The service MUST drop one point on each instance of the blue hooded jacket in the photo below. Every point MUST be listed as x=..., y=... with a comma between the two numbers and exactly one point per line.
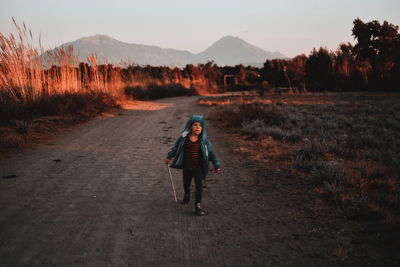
x=205, y=146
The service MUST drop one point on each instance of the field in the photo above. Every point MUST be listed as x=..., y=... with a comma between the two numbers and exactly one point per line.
x=344, y=147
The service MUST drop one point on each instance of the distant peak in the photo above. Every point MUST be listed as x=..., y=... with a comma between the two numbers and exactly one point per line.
x=229, y=50
x=100, y=36
x=229, y=41
x=96, y=38
x=230, y=38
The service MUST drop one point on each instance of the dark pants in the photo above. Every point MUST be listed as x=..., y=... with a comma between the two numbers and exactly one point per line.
x=198, y=180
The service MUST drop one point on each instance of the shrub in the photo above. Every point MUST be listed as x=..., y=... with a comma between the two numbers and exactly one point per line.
x=275, y=132
x=326, y=172
x=22, y=127
x=333, y=146
x=258, y=127
x=304, y=155
x=254, y=127
x=243, y=114
x=154, y=91
x=292, y=136
x=368, y=139
x=83, y=104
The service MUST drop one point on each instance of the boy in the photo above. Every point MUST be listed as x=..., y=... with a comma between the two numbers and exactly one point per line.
x=192, y=153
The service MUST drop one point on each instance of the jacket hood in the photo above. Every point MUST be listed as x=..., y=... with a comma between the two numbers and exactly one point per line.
x=195, y=118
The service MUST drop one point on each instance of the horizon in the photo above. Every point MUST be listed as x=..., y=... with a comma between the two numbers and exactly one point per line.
x=297, y=27
x=212, y=43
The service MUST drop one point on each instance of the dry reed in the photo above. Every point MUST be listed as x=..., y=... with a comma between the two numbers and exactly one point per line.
x=28, y=74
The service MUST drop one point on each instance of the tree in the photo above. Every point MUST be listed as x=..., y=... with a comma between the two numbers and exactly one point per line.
x=376, y=50
x=273, y=72
x=345, y=59
x=318, y=68
x=297, y=73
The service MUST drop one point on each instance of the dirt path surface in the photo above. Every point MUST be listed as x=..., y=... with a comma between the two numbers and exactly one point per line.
x=100, y=195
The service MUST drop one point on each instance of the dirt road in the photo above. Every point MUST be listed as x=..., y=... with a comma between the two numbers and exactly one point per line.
x=100, y=195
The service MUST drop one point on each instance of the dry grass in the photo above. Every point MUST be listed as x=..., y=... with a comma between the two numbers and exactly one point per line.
x=25, y=81
x=34, y=84
x=345, y=144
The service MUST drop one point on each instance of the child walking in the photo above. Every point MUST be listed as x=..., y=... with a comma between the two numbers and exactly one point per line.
x=192, y=152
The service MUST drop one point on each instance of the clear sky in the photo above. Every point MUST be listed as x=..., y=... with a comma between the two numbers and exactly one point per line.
x=289, y=26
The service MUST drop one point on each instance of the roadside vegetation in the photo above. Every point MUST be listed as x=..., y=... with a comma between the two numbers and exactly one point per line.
x=66, y=92
x=36, y=84
x=27, y=87
x=345, y=146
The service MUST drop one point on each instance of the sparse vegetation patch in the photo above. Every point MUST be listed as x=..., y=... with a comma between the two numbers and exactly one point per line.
x=345, y=144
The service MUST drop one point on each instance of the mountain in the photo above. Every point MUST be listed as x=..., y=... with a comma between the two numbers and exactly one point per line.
x=231, y=50
x=114, y=51
x=227, y=51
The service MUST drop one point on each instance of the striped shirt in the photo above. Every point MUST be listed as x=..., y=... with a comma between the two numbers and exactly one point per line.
x=191, y=154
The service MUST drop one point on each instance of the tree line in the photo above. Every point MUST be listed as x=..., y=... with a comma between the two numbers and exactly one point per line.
x=372, y=63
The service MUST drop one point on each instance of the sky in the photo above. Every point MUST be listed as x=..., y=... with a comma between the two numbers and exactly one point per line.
x=288, y=26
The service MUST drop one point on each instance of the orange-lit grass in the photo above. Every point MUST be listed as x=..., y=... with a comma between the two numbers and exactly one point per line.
x=41, y=93
x=24, y=79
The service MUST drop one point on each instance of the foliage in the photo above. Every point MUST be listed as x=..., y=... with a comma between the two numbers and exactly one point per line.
x=154, y=91
x=372, y=63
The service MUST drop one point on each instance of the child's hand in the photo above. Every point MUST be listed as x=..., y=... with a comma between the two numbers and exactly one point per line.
x=218, y=170
x=167, y=161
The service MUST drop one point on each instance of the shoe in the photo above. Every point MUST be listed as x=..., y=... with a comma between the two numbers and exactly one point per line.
x=199, y=211
x=186, y=199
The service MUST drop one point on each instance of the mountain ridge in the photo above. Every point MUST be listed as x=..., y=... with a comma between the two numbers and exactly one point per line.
x=227, y=51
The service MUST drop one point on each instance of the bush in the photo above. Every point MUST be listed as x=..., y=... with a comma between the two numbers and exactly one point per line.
x=254, y=127
x=275, y=132
x=258, y=127
x=154, y=91
x=82, y=104
x=304, y=156
x=326, y=172
x=244, y=114
x=292, y=136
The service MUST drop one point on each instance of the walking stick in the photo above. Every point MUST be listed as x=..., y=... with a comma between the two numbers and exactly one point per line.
x=172, y=182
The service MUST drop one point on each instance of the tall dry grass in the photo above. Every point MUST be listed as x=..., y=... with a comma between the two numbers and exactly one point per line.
x=28, y=75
